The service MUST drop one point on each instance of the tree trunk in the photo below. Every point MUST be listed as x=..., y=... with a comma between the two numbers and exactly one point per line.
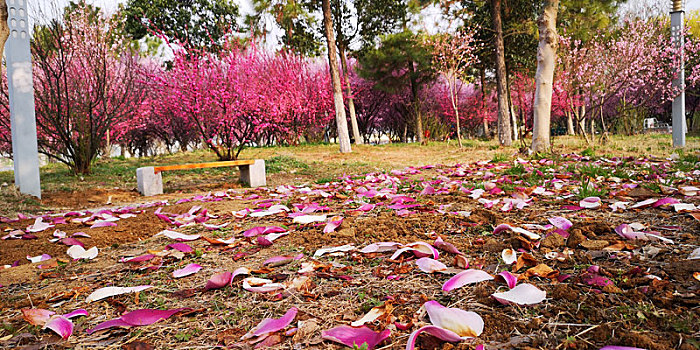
x=351, y=102
x=340, y=120
x=544, y=78
x=4, y=28
x=454, y=99
x=570, y=123
x=511, y=109
x=483, y=101
x=416, y=106
x=504, y=130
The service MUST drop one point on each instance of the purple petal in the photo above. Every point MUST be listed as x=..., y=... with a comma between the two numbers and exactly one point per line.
x=590, y=202
x=466, y=324
x=352, y=336
x=510, y=279
x=271, y=325
x=61, y=325
x=263, y=241
x=254, y=231
x=180, y=247
x=146, y=317
x=137, y=259
x=80, y=234
x=118, y=322
x=103, y=224
x=335, y=222
x=37, y=317
x=447, y=247
x=522, y=294
x=380, y=247
x=465, y=277
x=187, y=270
x=72, y=241
x=429, y=265
x=560, y=222
x=282, y=260
x=219, y=281
x=76, y=313
x=435, y=331
x=180, y=237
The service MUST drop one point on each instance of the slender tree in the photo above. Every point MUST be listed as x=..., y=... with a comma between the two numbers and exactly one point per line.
x=544, y=78
x=505, y=138
x=341, y=121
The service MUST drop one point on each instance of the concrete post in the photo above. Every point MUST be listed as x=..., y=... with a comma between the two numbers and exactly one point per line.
x=253, y=175
x=148, y=182
x=678, y=106
x=21, y=93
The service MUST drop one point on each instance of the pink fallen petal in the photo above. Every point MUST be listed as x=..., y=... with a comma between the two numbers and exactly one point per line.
x=511, y=280
x=380, y=247
x=522, y=294
x=440, y=333
x=447, y=247
x=80, y=234
x=560, y=222
x=333, y=224
x=464, y=278
x=422, y=249
x=260, y=285
x=366, y=207
x=331, y=250
x=281, y=260
x=429, y=265
x=38, y=258
x=38, y=226
x=271, y=325
x=107, y=292
x=142, y=317
x=466, y=324
x=103, y=223
x=263, y=241
x=181, y=237
x=509, y=256
x=187, y=270
x=37, y=317
x=219, y=281
x=590, y=202
x=77, y=252
x=76, y=313
x=61, y=325
x=72, y=241
x=355, y=336
x=182, y=247
x=137, y=259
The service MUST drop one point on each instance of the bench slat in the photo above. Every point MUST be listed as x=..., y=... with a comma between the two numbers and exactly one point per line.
x=158, y=169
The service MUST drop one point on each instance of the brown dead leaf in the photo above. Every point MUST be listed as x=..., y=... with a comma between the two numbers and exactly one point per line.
x=541, y=270
x=229, y=336
x=137, y=345
x=525, y=259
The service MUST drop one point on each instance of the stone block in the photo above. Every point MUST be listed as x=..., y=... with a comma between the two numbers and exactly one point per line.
x=148, y=182
x=253, y=175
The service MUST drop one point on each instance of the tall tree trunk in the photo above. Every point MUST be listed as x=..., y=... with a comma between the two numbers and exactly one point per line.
x=544, y=78
x=511, y=109
x=570, y=123
x=504, y=130
x=455, y=104
x=4, y=28
x=340, y=120
x=483, y=101
x=416, y=106
x=351, y=102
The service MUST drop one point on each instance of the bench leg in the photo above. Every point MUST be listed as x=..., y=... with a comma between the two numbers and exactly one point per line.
x=253, y=175
x=148, y=182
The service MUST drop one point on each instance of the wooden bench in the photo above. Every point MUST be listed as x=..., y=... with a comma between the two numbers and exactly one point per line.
x=150, y=180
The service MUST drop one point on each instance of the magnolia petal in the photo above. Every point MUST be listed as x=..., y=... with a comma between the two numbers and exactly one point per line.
x=509, y=256
x=560, y=222
x=38, y=226
x=78, y=252
x=38, y=258
x=103, y=223
x=343, y=248
x=61, y=325
x=142, y=317
x=447, y=247
x=76, y=313
x=695, y=254
x=462, y=323
x=352, y=336
x=178, y=236
x=372, y=315
x=37, y=317
x=118, y=322
x=307, y=219
x=380, y=247
x=440, y=333
x=422, y=249
x=182, y=247
x=219, y=281
x=522, y=294
x=260, y=285
x=333, y=224
x=590, y=202
x=511, y=280
x=466, y=277
x=72, y=241
x=429, y=265
x=187, y=270
x=281, y=260
x=271, y=325
x=107, y=292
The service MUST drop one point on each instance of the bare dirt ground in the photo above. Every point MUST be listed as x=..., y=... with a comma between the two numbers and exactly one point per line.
x=601, y=288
